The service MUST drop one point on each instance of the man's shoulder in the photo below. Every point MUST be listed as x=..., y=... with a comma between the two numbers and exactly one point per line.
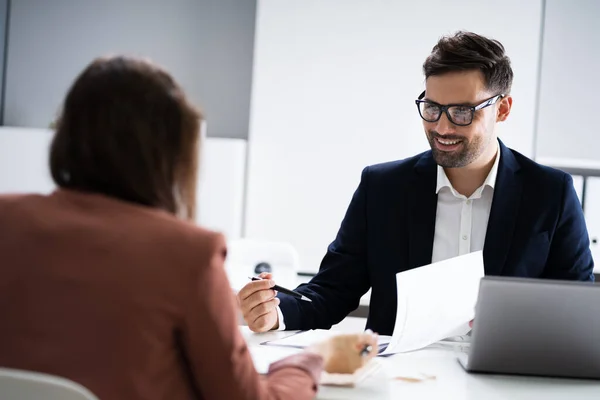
x=539, y=174
x=396, y=168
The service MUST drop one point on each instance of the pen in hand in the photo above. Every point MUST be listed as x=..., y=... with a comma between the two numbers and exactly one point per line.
x=284, y=290
x=366, y=350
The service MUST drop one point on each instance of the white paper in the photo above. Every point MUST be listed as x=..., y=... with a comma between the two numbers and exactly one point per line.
x=264, y=356
x=371, y=368
x=304, y=339
x=435, y=302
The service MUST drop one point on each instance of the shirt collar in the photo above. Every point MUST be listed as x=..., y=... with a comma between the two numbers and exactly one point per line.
x=490, y=180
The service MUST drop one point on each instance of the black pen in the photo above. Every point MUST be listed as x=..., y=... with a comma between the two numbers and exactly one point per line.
x=284, y=290
x=367, y=347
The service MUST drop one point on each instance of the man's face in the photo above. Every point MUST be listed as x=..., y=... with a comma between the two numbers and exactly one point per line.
x=455, y=146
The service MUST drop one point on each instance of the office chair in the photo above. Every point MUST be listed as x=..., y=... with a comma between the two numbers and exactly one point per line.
x=19, y=385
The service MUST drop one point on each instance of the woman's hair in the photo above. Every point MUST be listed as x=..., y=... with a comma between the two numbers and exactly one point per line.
x=128, y=131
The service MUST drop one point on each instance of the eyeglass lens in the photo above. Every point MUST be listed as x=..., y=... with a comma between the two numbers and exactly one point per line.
x=459, y=115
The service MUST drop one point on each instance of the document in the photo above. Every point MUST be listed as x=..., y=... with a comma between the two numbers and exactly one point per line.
x=264, y=356
x=304, y=339
x=435, y=302
x=372, y=367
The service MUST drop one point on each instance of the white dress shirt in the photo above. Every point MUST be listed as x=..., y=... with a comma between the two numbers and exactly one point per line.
x=460, y=221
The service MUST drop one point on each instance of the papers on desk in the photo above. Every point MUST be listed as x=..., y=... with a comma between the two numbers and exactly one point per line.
x=304, y=339
x=435, y=302
x=264, y=356
x=350, y=380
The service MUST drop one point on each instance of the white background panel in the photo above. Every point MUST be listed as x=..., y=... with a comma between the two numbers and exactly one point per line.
x=24, y=169
x=570, y=81
x=333, y=91
x=592, y=217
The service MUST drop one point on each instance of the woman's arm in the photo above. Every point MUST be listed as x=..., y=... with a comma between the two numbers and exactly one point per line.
x=219, y=358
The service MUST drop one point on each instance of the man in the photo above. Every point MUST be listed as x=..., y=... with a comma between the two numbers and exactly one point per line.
x=468, y=193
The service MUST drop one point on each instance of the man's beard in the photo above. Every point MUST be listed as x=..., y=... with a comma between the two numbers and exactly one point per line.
x=467, y=152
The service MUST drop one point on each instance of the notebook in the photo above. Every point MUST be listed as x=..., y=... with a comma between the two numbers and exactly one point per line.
x=351, y=380
x=264, y=356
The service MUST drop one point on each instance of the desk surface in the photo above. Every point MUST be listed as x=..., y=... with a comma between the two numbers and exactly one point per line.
x=451, y=381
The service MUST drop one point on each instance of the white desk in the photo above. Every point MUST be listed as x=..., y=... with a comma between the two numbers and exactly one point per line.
x=451, y=382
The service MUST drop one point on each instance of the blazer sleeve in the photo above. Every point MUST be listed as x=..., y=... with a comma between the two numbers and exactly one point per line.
x=570, y=257
x=218, y=356
x=343, y=276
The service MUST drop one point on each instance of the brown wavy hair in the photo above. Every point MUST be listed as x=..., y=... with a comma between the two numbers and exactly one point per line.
x=128, y=131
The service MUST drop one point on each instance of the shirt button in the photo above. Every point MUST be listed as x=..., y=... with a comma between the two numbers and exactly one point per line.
x=468, y=202
x=464, y=237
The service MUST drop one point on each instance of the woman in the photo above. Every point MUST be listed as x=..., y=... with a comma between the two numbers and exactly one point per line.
x=108, y=283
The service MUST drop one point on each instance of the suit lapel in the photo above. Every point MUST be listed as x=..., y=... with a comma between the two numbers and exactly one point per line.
x=504, y=212
x=423, y=207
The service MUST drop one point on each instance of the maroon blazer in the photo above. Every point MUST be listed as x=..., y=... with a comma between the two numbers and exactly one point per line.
x=128, y=301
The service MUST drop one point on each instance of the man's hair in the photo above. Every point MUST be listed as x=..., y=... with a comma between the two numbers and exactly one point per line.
x=465, y=51
x=127, y=131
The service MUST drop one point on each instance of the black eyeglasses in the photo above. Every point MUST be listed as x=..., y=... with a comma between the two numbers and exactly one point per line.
x=458, y=114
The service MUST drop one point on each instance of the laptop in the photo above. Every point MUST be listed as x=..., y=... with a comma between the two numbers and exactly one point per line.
x=536, y=327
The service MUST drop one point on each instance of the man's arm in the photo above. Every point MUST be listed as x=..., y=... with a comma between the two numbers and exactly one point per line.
x=570, y=257
x=343, y=276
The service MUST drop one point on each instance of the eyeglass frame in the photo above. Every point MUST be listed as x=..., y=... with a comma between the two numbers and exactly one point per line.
x=444, y=109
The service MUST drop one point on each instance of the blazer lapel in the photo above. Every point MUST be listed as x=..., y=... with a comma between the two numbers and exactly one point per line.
x=504, y=212
x=422, y=211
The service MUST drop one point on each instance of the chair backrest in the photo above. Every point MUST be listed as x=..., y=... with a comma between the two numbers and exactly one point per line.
x=243, y=255
x=21, y=385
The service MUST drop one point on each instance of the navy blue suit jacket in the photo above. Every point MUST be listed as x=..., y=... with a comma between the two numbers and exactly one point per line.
x=536, y=229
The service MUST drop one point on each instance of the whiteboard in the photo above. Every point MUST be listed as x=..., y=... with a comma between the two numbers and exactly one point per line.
x=333, y=91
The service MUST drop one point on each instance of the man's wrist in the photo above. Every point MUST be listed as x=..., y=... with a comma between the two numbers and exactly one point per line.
x=280, y=324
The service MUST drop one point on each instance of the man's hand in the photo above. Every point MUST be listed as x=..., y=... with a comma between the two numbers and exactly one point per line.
x=259, y=304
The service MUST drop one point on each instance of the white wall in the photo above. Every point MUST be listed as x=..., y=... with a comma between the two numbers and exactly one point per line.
x=24, y=160
x=570, y=81
x=24, y=169
x=333, y=91
x=221, y=185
